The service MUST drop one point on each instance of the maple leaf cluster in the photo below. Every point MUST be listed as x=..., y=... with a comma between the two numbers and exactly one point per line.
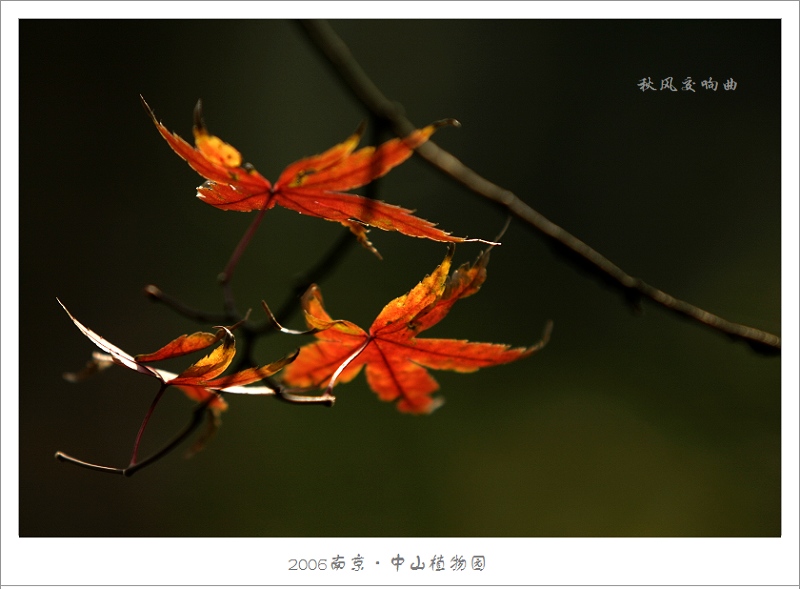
x=394, y=358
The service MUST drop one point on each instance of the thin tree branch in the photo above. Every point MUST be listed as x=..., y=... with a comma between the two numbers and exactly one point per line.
x=198, y=414
x=157, y=295
x=336, y=52
x=322, y=268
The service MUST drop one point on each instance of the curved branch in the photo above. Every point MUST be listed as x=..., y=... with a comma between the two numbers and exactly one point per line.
x=197, y=418
x=331, y=46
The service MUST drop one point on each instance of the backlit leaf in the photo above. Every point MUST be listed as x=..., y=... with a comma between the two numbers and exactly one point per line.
x=312, y=186
x=396, y=360
x=201, y=380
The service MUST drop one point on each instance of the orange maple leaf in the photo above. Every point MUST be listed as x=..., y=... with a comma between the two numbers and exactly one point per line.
x=201, y=381
x=396, y=359
x=312, y=186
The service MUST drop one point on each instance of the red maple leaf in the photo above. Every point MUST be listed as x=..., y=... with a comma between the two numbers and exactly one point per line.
x=312, y=186
x=201, y=380
x=396, y=359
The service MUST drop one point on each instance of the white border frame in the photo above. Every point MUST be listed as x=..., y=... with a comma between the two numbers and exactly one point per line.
x=627, y=561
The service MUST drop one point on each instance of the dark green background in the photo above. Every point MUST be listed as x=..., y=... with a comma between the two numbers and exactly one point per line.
x=623, y=425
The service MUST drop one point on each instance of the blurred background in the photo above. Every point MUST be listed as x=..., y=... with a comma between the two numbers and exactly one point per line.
x=625, y=425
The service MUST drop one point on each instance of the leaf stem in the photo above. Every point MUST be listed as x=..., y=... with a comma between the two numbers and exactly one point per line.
x=146, y=419
x=227, y=274
x=346, y=363
x=197, y=418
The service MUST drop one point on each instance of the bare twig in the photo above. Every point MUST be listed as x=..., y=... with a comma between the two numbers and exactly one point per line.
x=331, y=46
x=157, y=295
x=197, y=418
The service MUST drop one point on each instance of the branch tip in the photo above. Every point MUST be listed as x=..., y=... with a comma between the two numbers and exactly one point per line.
x=446, y=123
x=151, y=291
x=199, y=123
x=362, y=126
